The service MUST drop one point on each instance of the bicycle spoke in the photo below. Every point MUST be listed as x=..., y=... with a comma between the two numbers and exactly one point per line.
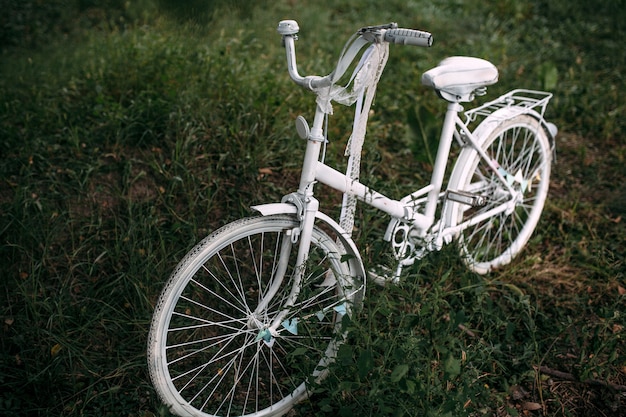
x=221, y=353
x=520, y=150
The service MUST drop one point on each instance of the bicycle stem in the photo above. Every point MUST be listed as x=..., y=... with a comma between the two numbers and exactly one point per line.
x=312, y=154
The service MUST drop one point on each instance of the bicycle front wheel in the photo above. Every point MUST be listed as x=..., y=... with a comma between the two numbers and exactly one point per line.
x=214, y=347
x=520, y=148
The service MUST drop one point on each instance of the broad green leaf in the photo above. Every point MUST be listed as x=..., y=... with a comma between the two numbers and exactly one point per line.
x=365, y=362
x=452, y=366
x=399, y=372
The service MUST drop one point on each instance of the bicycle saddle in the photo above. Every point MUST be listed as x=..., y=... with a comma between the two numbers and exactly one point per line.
x=459, y=78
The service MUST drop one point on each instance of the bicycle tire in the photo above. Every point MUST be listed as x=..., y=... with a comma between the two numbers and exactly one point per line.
x=520, y=146
x=209, y=358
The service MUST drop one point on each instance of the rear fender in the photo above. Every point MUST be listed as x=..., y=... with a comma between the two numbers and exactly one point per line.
x=495, y=118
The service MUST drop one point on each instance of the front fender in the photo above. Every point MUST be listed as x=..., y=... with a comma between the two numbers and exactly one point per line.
x=355, y=261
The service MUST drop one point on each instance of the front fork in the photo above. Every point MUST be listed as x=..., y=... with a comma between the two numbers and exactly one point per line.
x=307, y=207
x=300, y=236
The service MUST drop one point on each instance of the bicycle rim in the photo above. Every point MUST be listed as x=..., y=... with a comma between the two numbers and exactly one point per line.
x=211, y=352
x=521, y=149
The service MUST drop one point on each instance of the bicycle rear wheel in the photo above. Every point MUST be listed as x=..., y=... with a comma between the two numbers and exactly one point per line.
x=214, y=347
x=520, y=147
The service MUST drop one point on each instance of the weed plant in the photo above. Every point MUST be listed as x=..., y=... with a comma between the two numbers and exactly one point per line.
x=130, y=130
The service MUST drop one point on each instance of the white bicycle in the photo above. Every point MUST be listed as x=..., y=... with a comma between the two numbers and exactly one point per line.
x=254, y=313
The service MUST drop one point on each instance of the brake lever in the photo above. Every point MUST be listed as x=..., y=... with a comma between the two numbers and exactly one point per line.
x=374, y=34
x=365, y=29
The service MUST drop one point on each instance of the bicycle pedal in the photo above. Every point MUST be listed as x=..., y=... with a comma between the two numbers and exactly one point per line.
x=466, y=198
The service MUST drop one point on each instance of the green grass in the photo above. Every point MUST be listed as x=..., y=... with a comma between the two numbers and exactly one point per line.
x=131, y=130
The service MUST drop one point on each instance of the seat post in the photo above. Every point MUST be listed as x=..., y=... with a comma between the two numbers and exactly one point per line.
x=441, y=161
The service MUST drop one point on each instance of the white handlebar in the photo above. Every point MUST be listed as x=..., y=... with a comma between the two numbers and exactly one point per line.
x=409, y=37
x=310, y=82
x=387, y=33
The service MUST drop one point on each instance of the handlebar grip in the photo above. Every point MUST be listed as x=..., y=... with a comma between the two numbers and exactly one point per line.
x=409, y=37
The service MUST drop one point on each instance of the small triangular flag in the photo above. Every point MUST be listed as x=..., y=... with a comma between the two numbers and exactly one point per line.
x=341, y=309
x=291, y=325
x=265, y=335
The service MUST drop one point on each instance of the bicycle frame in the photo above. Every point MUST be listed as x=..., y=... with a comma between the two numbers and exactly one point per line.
x=314, y=170
x=202, y=356
x=434, y=232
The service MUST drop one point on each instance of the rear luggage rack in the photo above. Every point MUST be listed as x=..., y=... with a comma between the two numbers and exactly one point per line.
x=524, y=100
